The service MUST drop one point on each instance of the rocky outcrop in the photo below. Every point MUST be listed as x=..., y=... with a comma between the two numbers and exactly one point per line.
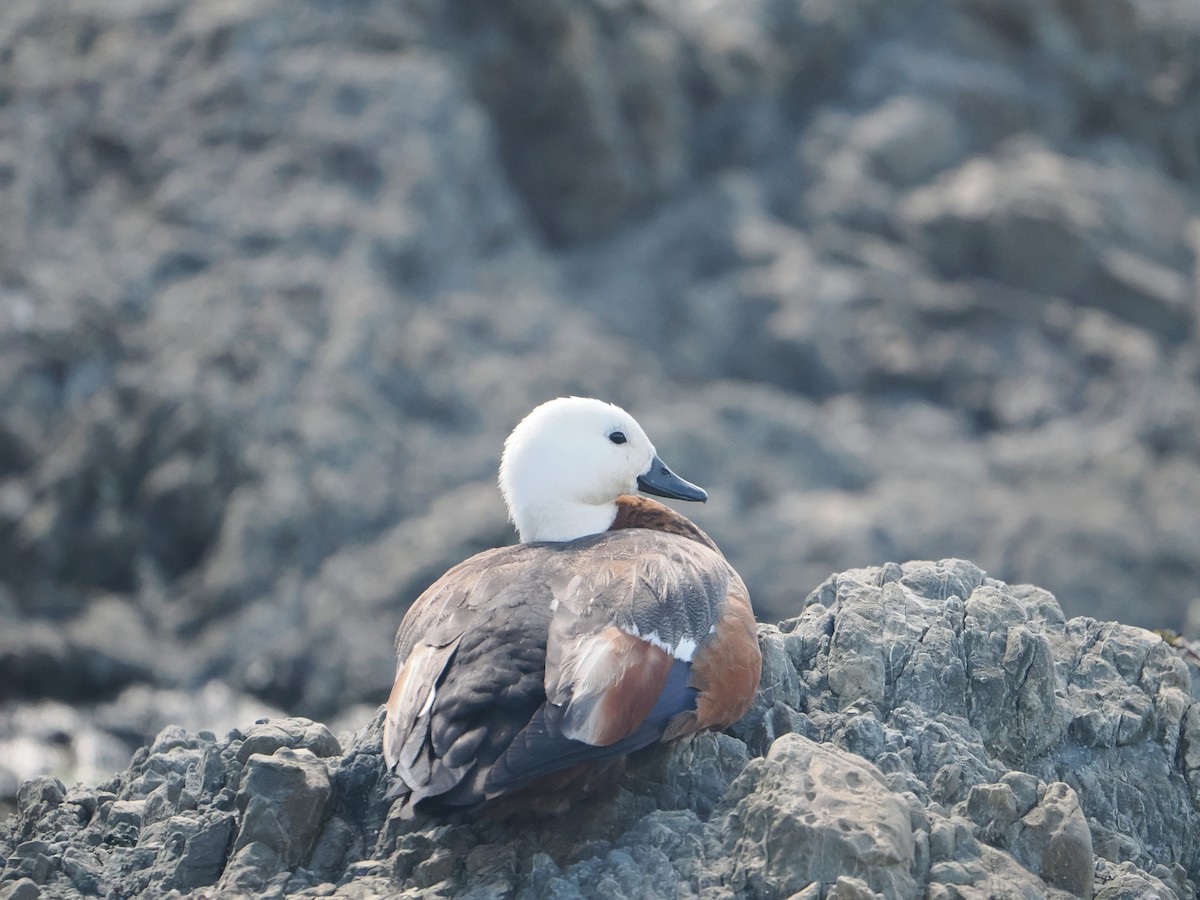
x=921, y=730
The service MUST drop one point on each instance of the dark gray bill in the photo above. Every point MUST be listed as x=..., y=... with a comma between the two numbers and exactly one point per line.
x=662, y=482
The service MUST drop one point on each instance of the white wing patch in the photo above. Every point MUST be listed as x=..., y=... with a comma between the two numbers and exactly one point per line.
x=683, y=650
x=428, y=701
x=411, y=700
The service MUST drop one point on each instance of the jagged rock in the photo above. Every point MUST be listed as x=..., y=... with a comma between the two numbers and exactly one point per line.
x=295, y=734
x=283, y=799
x=193, y=850
x=807, y=813
x=1044, y=829
x=23, y=889
x=251, y=868
x=869, y=766
x=1124, y=882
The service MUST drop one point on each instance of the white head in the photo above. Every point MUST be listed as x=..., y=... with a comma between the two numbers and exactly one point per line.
x=566, y=463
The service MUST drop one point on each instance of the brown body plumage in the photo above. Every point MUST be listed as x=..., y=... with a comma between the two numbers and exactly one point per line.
x=530, y=672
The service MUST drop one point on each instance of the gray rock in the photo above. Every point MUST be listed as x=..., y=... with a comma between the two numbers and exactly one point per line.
x=122, y=813
x=283, y=800
x=920, y=778
x=848, y=888
x=1056, y=843
x=908, y=139
x=250, y=869
x=89, y=744
x=21, y=889
x=1050, y=838
x=692, y=773
x=1124, y=882
x=35, y=860
x=193, y=850
x=808, y=812
x=37, y=797
x=295, y=733
x=83, y=869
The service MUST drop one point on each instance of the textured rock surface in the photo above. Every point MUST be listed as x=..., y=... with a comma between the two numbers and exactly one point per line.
x=894, y=279
x=972, y=743
x=807, y=812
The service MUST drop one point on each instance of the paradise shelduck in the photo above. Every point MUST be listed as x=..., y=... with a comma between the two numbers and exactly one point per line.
x=529, y=672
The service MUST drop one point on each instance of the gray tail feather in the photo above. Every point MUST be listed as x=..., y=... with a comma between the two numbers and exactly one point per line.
x=442, y=780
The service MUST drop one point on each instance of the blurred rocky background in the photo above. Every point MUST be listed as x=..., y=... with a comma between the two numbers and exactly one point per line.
x=892, y=279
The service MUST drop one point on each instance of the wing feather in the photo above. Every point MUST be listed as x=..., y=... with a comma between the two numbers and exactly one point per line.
x=411, y=701
x=607, y=683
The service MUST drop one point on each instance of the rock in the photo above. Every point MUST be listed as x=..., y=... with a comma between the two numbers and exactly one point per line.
x=1051, y=838
x=84, y=870
x=847, y=888
x=80, y=744
x=251, y=868
x=194, y=850
x=908, y=139
x=1035, y=220
x=810, y=813
x=34, y=860
x=1124, y=882
x=283, y=798
x=296, y=733
x=692, y=773
x=126, y=813
x=38, y=796
x=22, y=889
x=922, y=779
x=1056, y=843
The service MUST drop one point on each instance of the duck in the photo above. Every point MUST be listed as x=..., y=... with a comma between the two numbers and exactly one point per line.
x=527, y=674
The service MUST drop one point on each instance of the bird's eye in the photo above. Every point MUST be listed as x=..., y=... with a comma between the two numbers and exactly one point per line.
x=617, y=437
